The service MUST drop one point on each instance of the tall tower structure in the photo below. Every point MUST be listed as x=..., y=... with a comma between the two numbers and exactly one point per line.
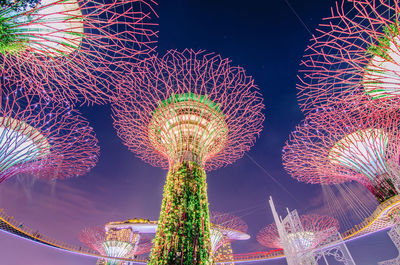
x=297, y=241
x=188, y=112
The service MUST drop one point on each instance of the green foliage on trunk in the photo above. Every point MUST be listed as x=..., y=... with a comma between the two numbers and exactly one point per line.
x=385, y=190
x=19, y=5
x=10, y=41
x=383, y=44
x=183, y=233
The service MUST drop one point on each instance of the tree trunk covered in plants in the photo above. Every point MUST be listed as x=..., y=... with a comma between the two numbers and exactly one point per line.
x=183, y=233
x=384, y=190
x=19, y=5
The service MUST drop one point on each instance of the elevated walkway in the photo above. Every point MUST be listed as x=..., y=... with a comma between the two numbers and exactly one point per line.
x=379, y=220
x=12, y=226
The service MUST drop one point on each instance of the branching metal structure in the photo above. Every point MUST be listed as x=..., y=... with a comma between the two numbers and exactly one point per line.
x=307, y=239
x=225, y=253
x=187, y=111
x=355, y=53
x=118, y=239
x=43, y=138
x=73, y=50
x=347, y=142
x=312, y=224
x=226, y=228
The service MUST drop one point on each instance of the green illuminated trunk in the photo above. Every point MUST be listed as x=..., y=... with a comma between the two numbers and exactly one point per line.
x=384, y=190
x=183, y=233
x=10, y=41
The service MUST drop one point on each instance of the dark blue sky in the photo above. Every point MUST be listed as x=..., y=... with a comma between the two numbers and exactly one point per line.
x=268, y=40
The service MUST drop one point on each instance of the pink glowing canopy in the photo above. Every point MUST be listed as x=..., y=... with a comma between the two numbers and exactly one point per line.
x=355, y=52
x=346, y=142
x=73, y=50
x=44, y=138
x=312, y=234
x=188, y=105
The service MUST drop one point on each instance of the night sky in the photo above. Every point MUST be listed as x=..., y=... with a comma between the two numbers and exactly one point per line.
x=267, y=39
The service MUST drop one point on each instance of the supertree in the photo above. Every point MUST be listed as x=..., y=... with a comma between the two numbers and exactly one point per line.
x=355, y=53
x=226, y=228
x=187, y=111
x=119, y=239
x=347, y=142
x=44, y=138
x=75, y=48
x=316, y=229
x=225, y=253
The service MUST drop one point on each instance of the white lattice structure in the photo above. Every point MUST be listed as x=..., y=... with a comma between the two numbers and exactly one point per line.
x=334, y=246
x=394, y=234
x=297, y=246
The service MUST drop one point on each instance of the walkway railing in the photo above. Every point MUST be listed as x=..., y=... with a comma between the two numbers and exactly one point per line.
x=13, y=226
x=372, y=218
x=254, y=256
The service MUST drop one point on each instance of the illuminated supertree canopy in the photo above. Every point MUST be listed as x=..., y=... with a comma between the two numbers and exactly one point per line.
x=226, y=228
x=355, y=52
x=225, y=253
x=75, y=48
x=119, y=239
x=188, y=111
x=43, y=138
x=346, y=143
x=312, y=234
